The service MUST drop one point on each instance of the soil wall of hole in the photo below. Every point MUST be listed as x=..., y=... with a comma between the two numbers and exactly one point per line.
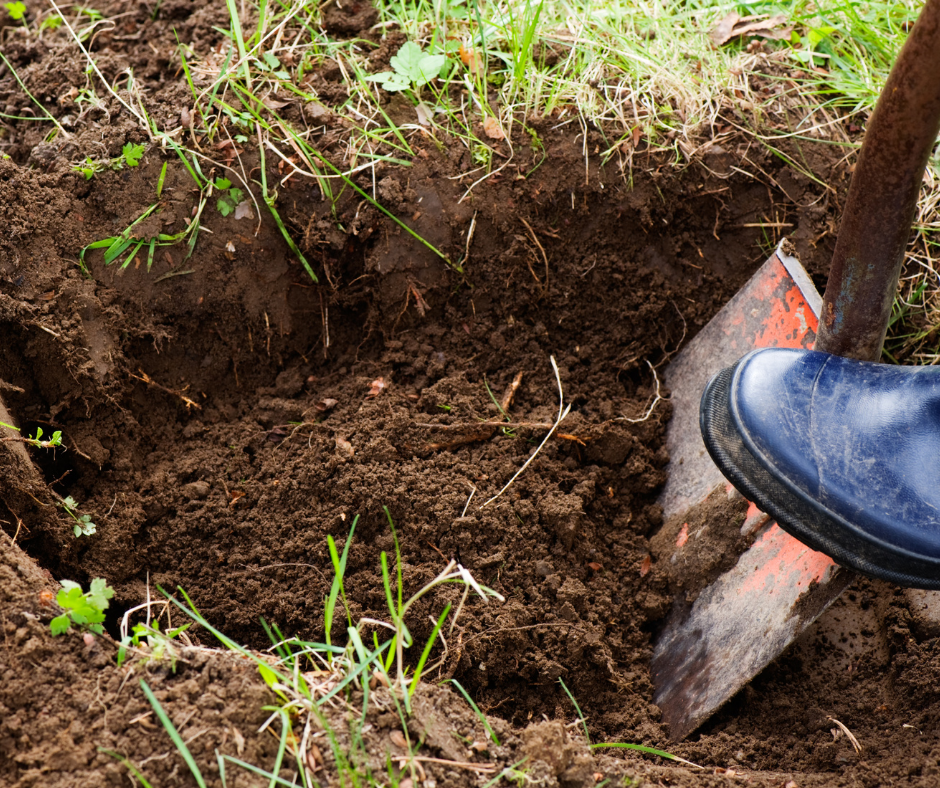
x=223, y=414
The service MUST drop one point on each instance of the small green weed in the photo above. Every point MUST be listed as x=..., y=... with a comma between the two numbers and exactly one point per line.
x=36, y=439
x=16, y=11
x=83, y=609
x=130, y=155
x=83, y=524
x=413, y=68
x=53, y=22
x=229, y=197
x=157, y=644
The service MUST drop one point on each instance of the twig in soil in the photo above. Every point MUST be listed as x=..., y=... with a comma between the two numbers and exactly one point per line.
x=506, y=401
x=467, y=504
x=145, y=378
x=656, y=399
x=473, y=226
x=562, y=413
x=848, y=734
x=544, y=256
x=483, y=768
x=539, y=425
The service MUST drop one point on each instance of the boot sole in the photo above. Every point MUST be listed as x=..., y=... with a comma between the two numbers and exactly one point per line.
x=799, y=515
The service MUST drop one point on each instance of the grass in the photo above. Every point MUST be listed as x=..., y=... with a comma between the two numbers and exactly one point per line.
x=317, y=685
x=644, y=75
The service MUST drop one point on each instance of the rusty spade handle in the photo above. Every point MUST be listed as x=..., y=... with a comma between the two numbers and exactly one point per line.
x=882, y=198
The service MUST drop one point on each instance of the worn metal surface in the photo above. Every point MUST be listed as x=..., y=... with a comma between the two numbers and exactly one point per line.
x=771, y=310
x=879, y=210
x=739, y=625
x=742, y=621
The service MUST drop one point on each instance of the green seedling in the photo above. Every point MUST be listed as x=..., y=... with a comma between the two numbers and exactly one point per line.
x=128, y=764
x=413, y=69
x=53, y=22
x=130, y=243
x=623, y=746
x=83, y=524
x=229, y=197
x=36, y=439
x=159, y=645
x=130, y=155
x=577, y=708
x=16, y=11
x=88, y=168
x=37, y=442
x=83, y=609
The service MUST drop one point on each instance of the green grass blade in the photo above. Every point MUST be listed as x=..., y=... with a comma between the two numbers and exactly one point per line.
x=239, y=39
x=476, y=709
x=370, y=658
x=577, y=708
x=281, y=749
x=173, y=734
x=649, y=750
x=386, y=584
x=427, y=650
x=129, y=765
x=391, y=524
x=274, y=779
x=116, y=249
x=130, y=257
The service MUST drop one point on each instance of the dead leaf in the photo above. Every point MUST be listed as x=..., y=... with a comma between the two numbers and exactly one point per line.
x=381, y=678
x=636, y=136
x=272, y=103
x=344, y=446
x=480, y=746
x=721, y=32
x=243, y=210
x=398, y=739
x=325, y=404
x=229, y=247
x=424, y=113
x=470, y=58
x=645, y=565
x=595, y=566
x=377, y=387
x=734, y=26
x=492, y=129
x=239, y=740
x=236, y=495
x=314, y=758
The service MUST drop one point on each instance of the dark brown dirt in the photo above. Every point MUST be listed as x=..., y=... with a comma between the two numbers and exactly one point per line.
x=312, y=404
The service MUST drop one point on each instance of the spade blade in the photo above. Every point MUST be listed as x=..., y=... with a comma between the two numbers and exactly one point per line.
x=749, y=609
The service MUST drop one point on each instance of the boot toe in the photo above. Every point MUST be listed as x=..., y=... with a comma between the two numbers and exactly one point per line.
x=844, y=454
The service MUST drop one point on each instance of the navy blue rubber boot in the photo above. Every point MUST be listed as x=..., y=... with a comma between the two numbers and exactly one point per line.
x=844, y=454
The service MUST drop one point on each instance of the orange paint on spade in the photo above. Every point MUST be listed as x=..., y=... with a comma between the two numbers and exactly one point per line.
x=683, y=535
x=783, y=562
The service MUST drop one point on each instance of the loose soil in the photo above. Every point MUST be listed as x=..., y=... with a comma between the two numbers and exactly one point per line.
x=222, y=415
